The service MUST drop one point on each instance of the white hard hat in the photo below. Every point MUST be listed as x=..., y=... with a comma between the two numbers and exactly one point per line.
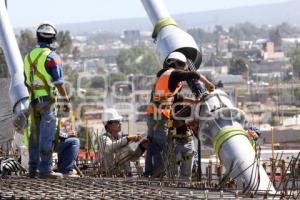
x=175, y=56
x=46, y=29
x=110, y=114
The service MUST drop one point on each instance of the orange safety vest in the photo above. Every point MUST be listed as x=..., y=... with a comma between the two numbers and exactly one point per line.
x=162, y=98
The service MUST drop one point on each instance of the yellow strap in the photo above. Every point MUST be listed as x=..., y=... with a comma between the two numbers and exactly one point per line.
x=184, y=158
x=182, y=136
x=46, y=86
x=170, y=123
x=33, y=126
x=225, y=134
x=56, y=138
x=162, y=23
x=33, y=64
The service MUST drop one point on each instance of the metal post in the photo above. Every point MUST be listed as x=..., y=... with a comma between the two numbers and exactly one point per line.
x=199, y=160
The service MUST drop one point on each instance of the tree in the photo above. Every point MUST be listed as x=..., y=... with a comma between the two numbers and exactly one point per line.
x=137, y=60
x=287, y=30
x=97, y=82
x=294, y=55
x=238, y=66
x=274, y=121
x=217, y=33
x=26, y=41
x=297, y=92
x=65, y=42
x=201, y=36
x=244, y=31
x=113, y=77
x=76, y=52
x=275, y=37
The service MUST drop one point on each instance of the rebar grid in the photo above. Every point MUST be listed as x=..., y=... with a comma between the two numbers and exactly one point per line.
x=108, y=188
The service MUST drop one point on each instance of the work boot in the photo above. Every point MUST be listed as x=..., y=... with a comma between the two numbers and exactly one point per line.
x=158, y=174
x=70, y=174
x=32, y=174
x=51, y=175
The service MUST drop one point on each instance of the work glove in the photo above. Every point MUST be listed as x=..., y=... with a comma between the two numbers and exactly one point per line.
x=210, y=87
x=253, y=131
x=134, y=138
x=63, y=110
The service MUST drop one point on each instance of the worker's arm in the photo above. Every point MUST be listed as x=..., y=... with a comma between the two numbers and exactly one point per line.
x=114, y=146
x=178, y=76
x=54, y=67
x=62, y=91
x=111, y=146
x=210, y=86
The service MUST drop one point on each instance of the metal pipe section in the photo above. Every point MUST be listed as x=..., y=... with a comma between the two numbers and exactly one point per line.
x=155, y=10
x=238, y=155
x=18, y=92
x=169, y=36
x=223, y=125
x=219, y=120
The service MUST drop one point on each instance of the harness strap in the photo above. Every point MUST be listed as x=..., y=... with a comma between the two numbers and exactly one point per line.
x=34, y=71
x=56, y=138
x=34, y=113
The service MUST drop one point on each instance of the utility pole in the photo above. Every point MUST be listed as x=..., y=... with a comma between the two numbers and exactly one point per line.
x=277, y=93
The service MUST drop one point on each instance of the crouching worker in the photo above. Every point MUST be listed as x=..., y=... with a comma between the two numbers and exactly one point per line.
x=116, y=149
x=67, y=149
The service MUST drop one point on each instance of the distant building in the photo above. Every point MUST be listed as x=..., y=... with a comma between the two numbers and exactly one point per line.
x=269, y=52
x=268, y=47
x=271, y=68
x=211, y=71
x=253, y=55
x=245, y=44
x=132, y=37
x=288, y=43
x=229, y=79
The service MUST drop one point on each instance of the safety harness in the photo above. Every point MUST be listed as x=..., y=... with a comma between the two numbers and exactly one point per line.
x=34, y=112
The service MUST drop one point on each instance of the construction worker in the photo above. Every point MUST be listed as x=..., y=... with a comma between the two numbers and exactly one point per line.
x=113, y=144
x=181, y=135
x=67, y=149
x=43, y=75
x=169, y=82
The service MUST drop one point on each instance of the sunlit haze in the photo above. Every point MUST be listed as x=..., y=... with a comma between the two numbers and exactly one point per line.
x=31, y=12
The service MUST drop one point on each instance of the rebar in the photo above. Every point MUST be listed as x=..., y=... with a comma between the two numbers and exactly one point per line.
x=108, y=188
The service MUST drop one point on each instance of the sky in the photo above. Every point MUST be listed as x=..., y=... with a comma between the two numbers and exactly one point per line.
x=28, y=13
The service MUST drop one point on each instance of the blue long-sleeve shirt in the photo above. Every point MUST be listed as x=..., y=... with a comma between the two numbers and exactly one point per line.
x=53, y=65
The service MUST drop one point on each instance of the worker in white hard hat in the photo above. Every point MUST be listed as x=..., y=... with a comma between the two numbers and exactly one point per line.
x=43, y=71
x=113, y=143
x=165, y=91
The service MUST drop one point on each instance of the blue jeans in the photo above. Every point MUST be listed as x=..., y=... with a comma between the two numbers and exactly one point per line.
x=157, y=135
x=40, y=151
x=184, y=150
x=67, y=151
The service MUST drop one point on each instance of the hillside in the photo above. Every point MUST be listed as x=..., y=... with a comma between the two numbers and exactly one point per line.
x=260, y=14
